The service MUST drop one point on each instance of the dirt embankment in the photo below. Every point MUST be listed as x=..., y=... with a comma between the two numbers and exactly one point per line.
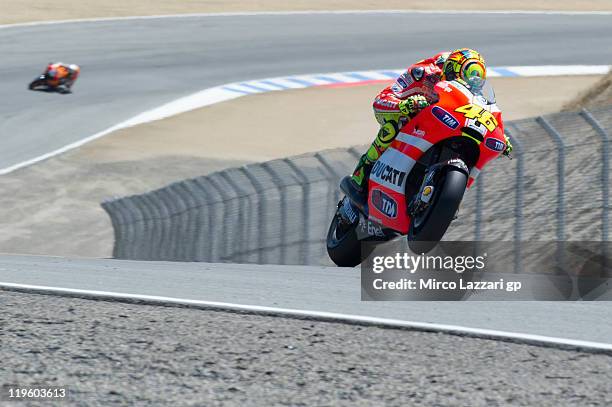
x=44, y=10
x=600, y=94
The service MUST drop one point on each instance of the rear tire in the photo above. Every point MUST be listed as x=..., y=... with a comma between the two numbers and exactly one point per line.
x=425, y=233
x=63, y=89
x=343, y=247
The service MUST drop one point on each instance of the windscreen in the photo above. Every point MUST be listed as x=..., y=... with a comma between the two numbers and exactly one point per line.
x=482, y=89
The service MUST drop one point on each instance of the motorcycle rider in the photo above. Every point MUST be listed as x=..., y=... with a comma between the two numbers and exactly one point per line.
x=65, y=74
x=413, y=91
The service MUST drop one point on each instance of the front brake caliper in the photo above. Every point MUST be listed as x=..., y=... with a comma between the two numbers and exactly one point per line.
x=421, y=199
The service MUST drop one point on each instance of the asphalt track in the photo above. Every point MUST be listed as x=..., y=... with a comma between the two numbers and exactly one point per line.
x=131, y=66
x=118, y=354
x=319, y=292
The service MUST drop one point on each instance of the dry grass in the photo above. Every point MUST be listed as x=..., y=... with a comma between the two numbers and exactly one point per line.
x=597, y=95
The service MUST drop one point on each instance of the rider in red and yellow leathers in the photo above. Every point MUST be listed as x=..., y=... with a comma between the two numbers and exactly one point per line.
x=398, y=103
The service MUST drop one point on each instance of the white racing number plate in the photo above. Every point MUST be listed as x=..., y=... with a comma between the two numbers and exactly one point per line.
x=391, y=170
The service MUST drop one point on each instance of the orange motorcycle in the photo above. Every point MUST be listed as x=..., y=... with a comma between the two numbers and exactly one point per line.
x=57, y=77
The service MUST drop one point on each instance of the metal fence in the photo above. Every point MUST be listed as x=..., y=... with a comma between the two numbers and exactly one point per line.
x=556, y=188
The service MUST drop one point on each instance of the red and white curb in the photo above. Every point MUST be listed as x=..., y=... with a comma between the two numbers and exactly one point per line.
x=235, y=90
x=364, y=77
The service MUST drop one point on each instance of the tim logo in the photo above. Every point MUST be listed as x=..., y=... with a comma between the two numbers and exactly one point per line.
x=384, y=203
x=445, y=117
x=495, y=144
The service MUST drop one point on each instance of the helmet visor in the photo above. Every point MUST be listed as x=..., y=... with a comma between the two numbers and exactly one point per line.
x=475, y=75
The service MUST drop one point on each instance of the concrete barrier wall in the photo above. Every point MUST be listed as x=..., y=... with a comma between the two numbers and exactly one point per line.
x=556, y=188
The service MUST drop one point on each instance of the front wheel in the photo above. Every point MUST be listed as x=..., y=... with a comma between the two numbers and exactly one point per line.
x=343, y=246
x=37, y=83
x=428, y=227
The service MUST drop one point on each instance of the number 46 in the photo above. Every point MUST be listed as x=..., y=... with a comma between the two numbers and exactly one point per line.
x=483, y=116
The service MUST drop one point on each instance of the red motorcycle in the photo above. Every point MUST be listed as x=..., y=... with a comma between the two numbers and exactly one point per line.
x=417, y=184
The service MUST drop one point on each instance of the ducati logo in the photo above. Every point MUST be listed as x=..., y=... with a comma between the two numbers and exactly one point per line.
x=389, y=174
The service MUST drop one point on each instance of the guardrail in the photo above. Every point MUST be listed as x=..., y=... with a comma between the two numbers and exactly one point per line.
x=556, y=188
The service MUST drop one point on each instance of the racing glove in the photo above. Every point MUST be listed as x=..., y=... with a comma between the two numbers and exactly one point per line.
x=412, y=105
x=507, y=152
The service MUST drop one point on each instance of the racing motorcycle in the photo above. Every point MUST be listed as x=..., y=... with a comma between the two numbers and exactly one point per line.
x=417, y=184
x=51, y=83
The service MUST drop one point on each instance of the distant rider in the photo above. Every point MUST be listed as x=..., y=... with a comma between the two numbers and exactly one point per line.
x=64, y=74
x=413, y=91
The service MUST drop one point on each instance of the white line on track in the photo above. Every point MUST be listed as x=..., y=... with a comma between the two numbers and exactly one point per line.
x=311, y=12
x=318, y=315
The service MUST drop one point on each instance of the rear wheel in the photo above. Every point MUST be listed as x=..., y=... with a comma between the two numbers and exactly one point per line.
x=428, y=227
x=343, y=246
x=63, y=89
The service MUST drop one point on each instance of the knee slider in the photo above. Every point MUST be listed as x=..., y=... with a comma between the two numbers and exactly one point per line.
x=387, y=132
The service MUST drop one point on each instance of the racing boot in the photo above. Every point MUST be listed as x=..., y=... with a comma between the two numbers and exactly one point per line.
x=359, y=179
x=355, y=186
x=361, y=175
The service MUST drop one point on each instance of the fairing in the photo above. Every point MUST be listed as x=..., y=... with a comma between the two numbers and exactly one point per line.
x=459, y=112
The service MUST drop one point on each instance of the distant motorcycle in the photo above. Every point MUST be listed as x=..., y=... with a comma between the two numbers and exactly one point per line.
x=57, y=77
x=417, y=184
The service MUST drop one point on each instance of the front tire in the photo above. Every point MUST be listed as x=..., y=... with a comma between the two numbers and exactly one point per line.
x=428, y=228
x=36, y=83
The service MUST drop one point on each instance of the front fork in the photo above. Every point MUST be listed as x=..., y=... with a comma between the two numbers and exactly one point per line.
x=422, y=198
